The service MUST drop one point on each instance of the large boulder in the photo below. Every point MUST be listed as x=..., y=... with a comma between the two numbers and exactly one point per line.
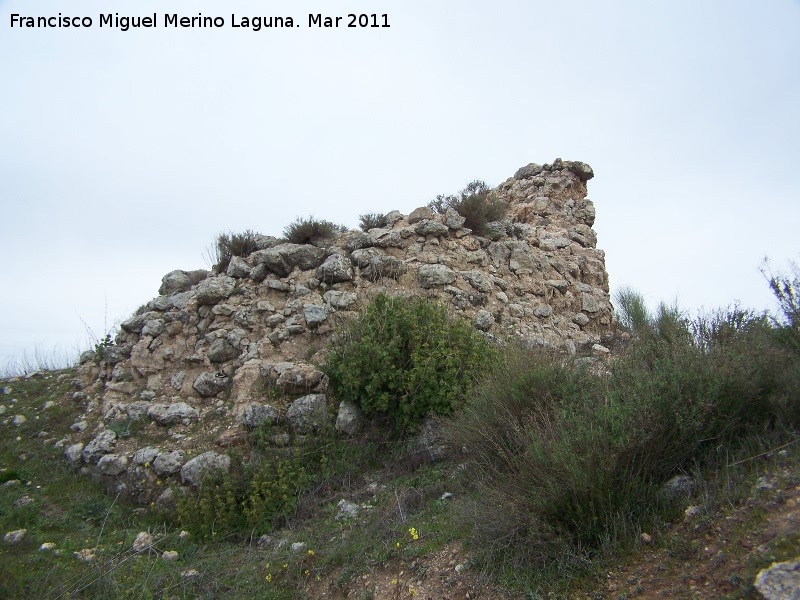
x=254, y=414
x=215, y=289
x=307, y=413
x=210, y=384
x=429, y=227
x=335, y=269
x=435, y=275
x=168, y=463
x=340, y=300
x=283, y=258
x=781, y=581
x=221, y=350
x=384, y=266
x=315, y=314
x=296, y=377
x=169, y=414
x=479, y=281
x=418, y=214
x=238, y=268
x=102, y=444
x=180, y=281
x=112, y=464
x=194, y=471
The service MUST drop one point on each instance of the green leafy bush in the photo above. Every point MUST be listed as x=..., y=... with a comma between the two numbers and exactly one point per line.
x=372, y=221
x=476, y=203
x=228, y=245
x=572, y=463
x=404, y=358
x=309, y=230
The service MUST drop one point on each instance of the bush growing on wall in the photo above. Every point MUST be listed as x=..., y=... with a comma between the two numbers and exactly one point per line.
x=476, y=203
x=228, y=245
x=309, y=230
x=405, y=358
x=372, y=221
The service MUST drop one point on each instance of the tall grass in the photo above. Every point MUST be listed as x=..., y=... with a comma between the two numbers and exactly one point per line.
x=571, y=464
x=40, y=360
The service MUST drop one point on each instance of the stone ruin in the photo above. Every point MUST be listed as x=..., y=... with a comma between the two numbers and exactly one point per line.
x=216, y=354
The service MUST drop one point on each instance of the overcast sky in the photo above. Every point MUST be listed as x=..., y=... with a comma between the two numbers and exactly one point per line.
x=123, y=154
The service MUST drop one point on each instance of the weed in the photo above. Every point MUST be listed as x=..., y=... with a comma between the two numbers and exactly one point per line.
x=309, y=230
x=372, y=221
x=476, y=203
x=228, y=245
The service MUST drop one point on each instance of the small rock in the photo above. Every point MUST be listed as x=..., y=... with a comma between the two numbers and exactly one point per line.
x=298, y=547
x=170, y=555
x=680, y=485
x=73, y=453
x=347, y=510
x=264, y=541
x=143, y=541
x=15, y=537
x=18, y=420
x=85, y=555
x=764, y=484
x=447, y=496
x=484, y=320
x=48, y=405
x=350, y=418
x=190, y=574
x=23, y=501
x=692, y=511
x=647, y=538
x=47, y=546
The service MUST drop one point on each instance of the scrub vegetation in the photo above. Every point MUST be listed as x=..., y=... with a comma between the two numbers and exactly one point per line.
x=556, y=467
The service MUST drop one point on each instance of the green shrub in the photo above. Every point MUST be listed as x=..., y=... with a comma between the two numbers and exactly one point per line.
x=372, y=221
x=404, y=358
x=228, y=245
x=476, y=203
x=572, y=463
x=309, y=230
x=254, y=498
